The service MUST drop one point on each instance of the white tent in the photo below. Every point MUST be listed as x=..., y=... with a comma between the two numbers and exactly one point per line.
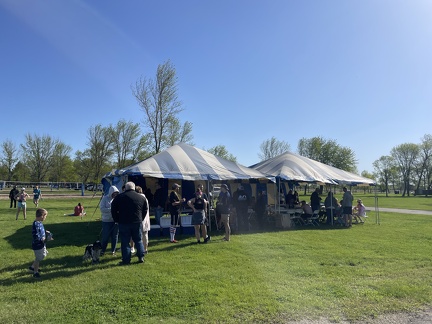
x=293, y=167
x=185, y=162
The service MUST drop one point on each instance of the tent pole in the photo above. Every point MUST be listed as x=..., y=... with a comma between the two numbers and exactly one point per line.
x=331, y=205
x=209, y=207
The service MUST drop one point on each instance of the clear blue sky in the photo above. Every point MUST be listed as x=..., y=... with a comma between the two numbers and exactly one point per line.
x=358, y=72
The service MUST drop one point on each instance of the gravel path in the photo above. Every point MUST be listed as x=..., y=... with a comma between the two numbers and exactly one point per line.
x=420, y=317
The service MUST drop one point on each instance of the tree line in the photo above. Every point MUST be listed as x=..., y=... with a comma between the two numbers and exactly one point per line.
x=408, y=167
x=42, y=158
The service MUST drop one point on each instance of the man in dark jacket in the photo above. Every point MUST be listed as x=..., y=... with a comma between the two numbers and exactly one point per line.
x=12, y=195
x=128, y=209
x=241, y=202
x=315, y=200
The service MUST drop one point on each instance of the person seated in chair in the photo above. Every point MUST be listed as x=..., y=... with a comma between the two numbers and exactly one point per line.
x=307, y=210
x=359, y=211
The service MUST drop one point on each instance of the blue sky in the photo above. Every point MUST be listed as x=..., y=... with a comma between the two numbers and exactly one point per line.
x=358, y=72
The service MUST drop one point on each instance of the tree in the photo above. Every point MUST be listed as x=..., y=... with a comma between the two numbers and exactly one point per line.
x=272, y=147
x=9, y=157
x=384, y=167
x=62, y=163
x=221, y=151
x=179, y=134
x=368, y=175
x=127, y=142
x=423, y=167
x=328, y=152
x=158, y=99
x=95, y=161
x=38, y=152
x=405, y=156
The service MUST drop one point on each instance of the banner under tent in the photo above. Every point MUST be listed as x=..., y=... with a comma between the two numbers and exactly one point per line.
x=293, y=168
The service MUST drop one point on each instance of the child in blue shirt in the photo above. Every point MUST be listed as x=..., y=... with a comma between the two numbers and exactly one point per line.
x=40, y=236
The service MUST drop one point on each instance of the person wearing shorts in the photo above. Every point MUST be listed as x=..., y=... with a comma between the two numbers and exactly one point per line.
x=223, y=204
x=347, y=200
x=199, y=207
x=39, y=238
x=22, y=197
x=37, y=194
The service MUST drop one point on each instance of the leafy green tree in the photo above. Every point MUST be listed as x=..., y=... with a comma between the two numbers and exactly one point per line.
x=384, y=167
x=179, y=134
x=83, y=166
x=405, y=156
x=94, y=162
x=272, y=147
x=127, y=142
x=62, y=163
x=159, y=101
x=328, y=152
x=38, y=152
x=221, y=151
x=423, y=166
x=21, y=172
x=9, y=158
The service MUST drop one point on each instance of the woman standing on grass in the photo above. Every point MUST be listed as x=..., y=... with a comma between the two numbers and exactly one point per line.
x=199, y=207
x=22, y=197
x=146, y=221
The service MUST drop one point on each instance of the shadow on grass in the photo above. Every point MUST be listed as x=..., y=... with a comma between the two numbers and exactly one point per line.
x=64, y=267
x=65, y=234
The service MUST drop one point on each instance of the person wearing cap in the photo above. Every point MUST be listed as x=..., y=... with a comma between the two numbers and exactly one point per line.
x=199, y=207
x=12, y=194
x=109, y=227
x=22, y=197
x=174, y=207
x=359, y=211
x=223, y=205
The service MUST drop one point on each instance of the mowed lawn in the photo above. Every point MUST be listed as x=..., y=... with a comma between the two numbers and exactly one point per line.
x=271, y=276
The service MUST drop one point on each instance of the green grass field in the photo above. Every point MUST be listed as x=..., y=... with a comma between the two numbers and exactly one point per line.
x=265, y=277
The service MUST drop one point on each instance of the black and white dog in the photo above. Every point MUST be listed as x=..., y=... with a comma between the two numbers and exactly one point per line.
x=93, y=252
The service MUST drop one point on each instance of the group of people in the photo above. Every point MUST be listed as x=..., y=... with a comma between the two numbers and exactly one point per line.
x=343, y=209
x=125, y=214
x=21, y=196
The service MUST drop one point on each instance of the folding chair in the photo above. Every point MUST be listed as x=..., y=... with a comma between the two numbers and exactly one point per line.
x=359, y=218
x=295, y=215
x=315, y=217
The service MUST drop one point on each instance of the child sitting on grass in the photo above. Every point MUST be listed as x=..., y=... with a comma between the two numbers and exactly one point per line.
x=40, y=236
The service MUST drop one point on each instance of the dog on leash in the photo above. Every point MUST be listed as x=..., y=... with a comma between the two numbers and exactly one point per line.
x=93, y=252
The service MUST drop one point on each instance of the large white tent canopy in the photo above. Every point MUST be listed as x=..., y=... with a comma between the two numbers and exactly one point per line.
x=293, y=167
x=185, y=162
